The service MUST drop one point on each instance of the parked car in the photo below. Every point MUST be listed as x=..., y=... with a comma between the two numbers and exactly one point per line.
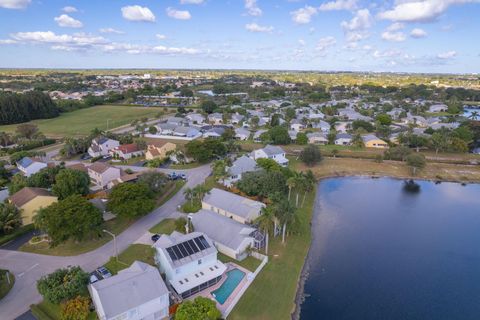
x=176, y=176
x=155, y=237
x=85, y=156
x=104, y=272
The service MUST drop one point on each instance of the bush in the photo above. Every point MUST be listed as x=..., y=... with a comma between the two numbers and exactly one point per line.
x=63, y=284
x=311, y=155
x=76, y=309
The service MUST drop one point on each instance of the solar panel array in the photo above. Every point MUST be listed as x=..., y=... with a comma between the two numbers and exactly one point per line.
x=187, y=248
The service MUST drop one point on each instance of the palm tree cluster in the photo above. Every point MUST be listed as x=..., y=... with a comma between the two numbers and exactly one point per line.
x=195, y=193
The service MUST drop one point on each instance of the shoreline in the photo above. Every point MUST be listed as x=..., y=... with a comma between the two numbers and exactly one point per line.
x=304, y=273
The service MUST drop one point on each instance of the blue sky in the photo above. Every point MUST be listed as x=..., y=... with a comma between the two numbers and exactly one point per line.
x=336, y=35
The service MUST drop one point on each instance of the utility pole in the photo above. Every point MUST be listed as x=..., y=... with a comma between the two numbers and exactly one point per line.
x=115, y=253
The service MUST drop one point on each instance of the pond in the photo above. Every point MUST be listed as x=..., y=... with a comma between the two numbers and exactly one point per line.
x=380, y=251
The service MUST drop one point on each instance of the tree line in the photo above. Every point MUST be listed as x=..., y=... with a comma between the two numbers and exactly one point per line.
x=17, y=108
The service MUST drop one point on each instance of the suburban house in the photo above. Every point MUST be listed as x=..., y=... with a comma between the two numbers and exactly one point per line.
x=438, y=108
x=293, y=135
x=29, y=200
x=135, y=293
x=271, y=152
x=242, y=134
x=176, y=121
x=101, y=146
x=189, y=262
x=230, y=237
x=232, y=206
x=188, y=132
x=126, y=151
x=343, y=139
x=317, y=138
x=371, y=141
x=159, y=150
x=257, y=135
x=214, y=132
x=165, y=128
x=215, y=118
x=236, y=118
x=240, y=166
x=29, y=166
x=296, y=125
x=101, y=174
x=322, y=125
x=195, y=118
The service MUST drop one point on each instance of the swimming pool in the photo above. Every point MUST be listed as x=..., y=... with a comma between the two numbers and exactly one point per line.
x=234, y=277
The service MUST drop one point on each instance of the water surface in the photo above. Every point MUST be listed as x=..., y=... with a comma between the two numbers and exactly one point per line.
x=380, y=252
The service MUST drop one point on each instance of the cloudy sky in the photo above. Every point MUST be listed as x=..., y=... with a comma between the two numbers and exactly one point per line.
x=349, y=35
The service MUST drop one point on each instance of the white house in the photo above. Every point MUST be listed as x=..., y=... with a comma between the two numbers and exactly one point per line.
x=296, y=125
x=195, y=118
x=101, y=146
x=317, y=138
x=189, y=262
x=236, y=118
x=135, y=293
x=240, y=166
x=215, y=118
x=29, y=166
x=438, y=108
x=126, y=151
x=101, y=174
x=242, y=134
x=271, y=152
x=232, y=206
x=343, y=139
x=230, y=237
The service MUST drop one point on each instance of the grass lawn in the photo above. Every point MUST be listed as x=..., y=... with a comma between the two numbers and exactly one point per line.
x=46, y=310
x=249, y=263
x=5, y=286
x=272, y=293
x=191, y=165
x=140, y=252
x=71, y=248
x=81, y=122
x=166, y=226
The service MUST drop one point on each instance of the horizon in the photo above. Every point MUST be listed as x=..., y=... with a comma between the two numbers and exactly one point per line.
x=397, y=36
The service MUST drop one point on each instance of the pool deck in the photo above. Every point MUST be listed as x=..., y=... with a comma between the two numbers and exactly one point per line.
x=207, y=293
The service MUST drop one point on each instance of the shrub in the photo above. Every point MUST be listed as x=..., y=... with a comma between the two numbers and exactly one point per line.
x=63, y=284
x=75, y=309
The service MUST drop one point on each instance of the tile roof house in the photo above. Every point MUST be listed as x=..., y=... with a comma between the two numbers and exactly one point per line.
x=189, y=262
x=236, y=118
x=159, y=150
x=232, y=206
x=126, y=151
x=30, y=200
x=230, y=237
x=271, y=152
x=101, y=146
x=101, y=174
x=29, y=166
x=135, y=293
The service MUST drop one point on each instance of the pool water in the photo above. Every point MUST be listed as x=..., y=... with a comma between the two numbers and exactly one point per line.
x=234, y=277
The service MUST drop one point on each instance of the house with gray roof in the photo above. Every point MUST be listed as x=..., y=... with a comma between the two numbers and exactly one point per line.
x=135, y=293
x=257, y=134
x=230, y=237
x=242, y=134
x=240, y=166
x=343, y=139
x=188, y=132
x=232, y=206
x=101, y=146
x=317, y=138
x=29, y=166
x=195, y=118
x=271, y=152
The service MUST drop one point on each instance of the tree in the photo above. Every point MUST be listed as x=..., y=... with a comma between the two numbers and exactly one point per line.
x=69, y=182
x=152, y=130
x=75, y=309
x=311, y=155
x=206, y=150
x=17, y=183
x=10, y=218
x=219, y=169
x=384, y=119
x=27, y=130
x=72, y=218
x=154, y=180
x=362, y=124
x=63, y=284
x=279, y=135
x=416, y=161
x=285, y=213
x=357, y=141
x=263, y=183
x=398, y=153
x=334, y=153
x=302, y=138
x=269, y=164
x=265, y=222
x=45, y=178
x=439, y=140
x=131, y=200
x=199, y=309
x=208, y=106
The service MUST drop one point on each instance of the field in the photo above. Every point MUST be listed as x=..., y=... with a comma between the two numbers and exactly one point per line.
x=81, y=122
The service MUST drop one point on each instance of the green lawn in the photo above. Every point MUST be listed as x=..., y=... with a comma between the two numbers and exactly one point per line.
x=166, y=226
x=81, y=122
x=5, y=285
x=249, y=263
x=72, y=248
x=140, y=252
x=272, y=293
x=185, y=166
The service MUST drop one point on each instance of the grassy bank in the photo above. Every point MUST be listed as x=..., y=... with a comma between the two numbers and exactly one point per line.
x=6, y=283
x=272, y=294
x=140, y=252
x=81, y=122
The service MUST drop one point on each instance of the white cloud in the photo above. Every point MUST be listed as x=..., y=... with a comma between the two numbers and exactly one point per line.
x=419, y=10
x=160, y=36
x=75, y=41
x=418, y=33
x=253, y=27
x=361, y=21
x=191, y=1
x=252, y=8
x=338, y=5
x=386, y=54
x=66, y=21
x=178, y=14
x=138, y=13
x=301, y=42
x=303, y=15
x=69, y=9
x=325, y=43
x=447, y=55
x=7, y=41
x=393, y=36
x=396, y=26
x=111, y=30
x=14, y=4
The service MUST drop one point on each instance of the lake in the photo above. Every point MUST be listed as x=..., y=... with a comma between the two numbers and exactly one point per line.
x=380, y=252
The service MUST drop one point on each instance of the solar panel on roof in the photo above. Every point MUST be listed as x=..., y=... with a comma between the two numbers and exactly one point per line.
x=171, y=254
x=187, y=247
x=182, y=249
x=199, y=243
x=193, y=246
x=178, y=253
x=205, y=243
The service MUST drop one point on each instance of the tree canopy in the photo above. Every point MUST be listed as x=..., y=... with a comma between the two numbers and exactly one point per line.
x=63, y=284
x=69, y=182
x=199, y=309
x=131, y=200
x=311, y=155
x=17, y=108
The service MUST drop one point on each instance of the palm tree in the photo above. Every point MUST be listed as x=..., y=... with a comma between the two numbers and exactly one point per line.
x=9, y=218
x=189, y=194
x=200, y=191
x=291, y=183
x=474, y=115
x=286, y=214
x=264, y=222
x=309, y=184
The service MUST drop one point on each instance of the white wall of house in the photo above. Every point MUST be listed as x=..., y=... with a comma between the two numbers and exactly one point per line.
x=33, y=168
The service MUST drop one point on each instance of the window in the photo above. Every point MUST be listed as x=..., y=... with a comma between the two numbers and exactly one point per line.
x=199, y=261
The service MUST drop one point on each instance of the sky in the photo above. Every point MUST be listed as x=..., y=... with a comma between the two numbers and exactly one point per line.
x=432, y=36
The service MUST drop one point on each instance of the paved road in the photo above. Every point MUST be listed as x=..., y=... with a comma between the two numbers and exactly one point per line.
x=29, y=267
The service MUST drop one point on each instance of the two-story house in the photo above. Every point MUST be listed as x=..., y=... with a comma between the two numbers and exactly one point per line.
x=29, y=166
x=271, y=152
x=101, y=174
x=101, y=146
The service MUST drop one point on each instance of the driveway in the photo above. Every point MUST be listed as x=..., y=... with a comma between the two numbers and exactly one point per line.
x=29, y=267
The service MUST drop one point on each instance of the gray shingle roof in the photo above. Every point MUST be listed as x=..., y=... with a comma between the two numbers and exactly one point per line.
x=240, y=206
x=242, y=165
x=273, y=150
